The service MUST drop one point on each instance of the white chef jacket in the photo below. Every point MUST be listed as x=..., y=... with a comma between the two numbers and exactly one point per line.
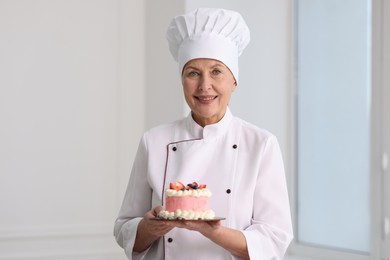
x=242, y=166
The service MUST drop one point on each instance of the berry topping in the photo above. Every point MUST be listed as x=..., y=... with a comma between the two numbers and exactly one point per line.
x=176, y=186
x=190, y=186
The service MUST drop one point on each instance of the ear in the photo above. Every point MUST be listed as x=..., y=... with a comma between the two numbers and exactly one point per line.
x=234, y=86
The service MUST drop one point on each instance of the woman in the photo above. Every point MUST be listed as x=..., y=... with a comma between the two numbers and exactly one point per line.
x=240, y=163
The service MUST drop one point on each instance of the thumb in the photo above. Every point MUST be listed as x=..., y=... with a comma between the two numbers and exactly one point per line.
x=157, y=210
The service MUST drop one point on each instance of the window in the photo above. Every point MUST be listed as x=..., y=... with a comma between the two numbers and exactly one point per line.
x=339, y=112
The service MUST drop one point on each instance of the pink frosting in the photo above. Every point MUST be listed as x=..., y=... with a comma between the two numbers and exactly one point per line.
x=187, y=203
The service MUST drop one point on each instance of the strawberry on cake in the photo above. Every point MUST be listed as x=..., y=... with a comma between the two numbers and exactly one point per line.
x=189, y=202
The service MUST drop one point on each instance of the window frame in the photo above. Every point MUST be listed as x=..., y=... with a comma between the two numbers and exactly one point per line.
x=384, y=57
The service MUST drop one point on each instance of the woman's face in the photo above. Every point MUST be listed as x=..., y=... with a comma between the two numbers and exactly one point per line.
x=208, y=85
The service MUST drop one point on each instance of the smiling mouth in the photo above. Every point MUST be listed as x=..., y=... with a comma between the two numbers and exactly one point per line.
x=205, y=99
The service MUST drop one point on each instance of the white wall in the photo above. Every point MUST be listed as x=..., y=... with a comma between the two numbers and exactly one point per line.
x=164, y=98
x=71, y=98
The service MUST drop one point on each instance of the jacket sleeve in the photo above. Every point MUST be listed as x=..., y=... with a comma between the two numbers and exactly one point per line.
x=270, y=232
x=136, y=203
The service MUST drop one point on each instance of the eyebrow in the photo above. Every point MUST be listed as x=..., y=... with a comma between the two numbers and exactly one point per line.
x=190, y=67
x=216, y=65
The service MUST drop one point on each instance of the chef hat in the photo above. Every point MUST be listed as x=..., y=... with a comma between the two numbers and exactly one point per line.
x=208, y=33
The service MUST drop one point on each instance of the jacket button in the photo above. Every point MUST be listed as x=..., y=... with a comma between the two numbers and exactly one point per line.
x=234, y=146
x=174, y=148
x=170, y=240
x=228, y=191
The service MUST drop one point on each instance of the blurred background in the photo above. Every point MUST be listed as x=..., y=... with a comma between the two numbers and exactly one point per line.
x=81, y=80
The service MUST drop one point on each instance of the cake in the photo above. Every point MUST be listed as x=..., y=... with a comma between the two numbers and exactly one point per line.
x=188, y=202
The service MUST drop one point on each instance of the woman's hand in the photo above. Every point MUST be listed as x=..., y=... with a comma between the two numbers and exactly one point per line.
x=150, y=230
x=156, y=228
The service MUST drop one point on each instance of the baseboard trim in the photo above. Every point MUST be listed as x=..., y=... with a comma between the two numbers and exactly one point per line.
x=62, y=242
x=59, y=231
x=102, y=255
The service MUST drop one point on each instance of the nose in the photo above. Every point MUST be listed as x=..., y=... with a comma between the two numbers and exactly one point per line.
x=205, y=83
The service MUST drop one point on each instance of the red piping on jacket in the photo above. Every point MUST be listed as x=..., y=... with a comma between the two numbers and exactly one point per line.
x=166, y=165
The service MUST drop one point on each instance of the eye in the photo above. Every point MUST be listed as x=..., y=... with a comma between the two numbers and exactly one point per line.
x=216, y=72
x=193, y=73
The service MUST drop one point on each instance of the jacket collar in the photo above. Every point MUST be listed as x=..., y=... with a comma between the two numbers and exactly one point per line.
x=209, y=131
